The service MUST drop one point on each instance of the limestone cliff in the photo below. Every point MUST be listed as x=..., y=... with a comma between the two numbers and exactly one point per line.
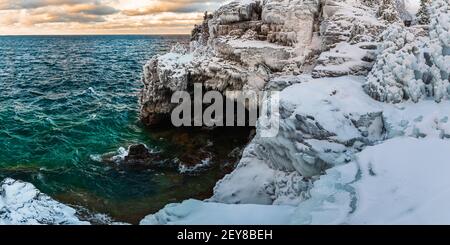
x=317, y=53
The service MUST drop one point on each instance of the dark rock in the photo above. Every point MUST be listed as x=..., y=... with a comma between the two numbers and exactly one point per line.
x=138, y=153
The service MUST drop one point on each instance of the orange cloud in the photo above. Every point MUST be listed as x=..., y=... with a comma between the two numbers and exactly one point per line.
x=101, y=16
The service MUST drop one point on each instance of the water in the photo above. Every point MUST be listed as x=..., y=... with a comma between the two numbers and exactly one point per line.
x=66, y=98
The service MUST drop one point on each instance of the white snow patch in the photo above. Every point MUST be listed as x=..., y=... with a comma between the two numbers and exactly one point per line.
x=22, y=203
x=194, y=212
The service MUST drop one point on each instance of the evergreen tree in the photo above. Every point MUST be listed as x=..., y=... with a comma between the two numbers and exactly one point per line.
x=423, y=15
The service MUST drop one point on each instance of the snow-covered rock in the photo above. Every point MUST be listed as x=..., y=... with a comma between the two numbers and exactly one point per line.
x=346, y=59
x=401, y=181
x=246, y=42
x=22, y=203
x=323, y=123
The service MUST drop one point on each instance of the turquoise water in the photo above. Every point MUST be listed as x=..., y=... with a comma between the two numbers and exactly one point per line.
x=66, y=98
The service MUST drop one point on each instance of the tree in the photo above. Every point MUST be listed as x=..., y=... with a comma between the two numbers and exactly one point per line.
x=423, y=15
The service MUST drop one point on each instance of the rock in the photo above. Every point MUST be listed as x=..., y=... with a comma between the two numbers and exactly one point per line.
x=137, y=154
x=349, y=40
x=246, y=42
x=21, y=203
x=346, y=59
x=320, y=127
x=135, y=157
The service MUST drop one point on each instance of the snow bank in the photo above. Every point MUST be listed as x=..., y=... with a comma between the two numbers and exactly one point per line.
x=194, y=212
x=22, y=203
x=401, y=181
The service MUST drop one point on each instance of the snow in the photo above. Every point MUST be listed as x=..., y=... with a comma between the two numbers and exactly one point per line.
x=344, y=59
x=253, y=44
x=194, y=212
x=342, y=155
x=412, y=6
x=22, y=203
x=401, y=181
x=330, y=101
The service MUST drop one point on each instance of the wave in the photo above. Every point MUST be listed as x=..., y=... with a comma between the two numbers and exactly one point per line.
x=205, y=163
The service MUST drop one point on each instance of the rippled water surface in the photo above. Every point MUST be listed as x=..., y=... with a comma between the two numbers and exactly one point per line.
x=64, y=99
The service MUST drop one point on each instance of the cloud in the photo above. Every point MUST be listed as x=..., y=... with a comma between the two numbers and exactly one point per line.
x=102, y=16
x=32, y=4
x=93, y=9
x=58, y=11
x=178, y=6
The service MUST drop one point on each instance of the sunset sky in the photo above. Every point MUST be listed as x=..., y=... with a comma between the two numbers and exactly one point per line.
x=34, y=17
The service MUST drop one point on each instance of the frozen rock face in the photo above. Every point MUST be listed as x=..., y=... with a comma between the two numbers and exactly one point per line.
x=22, y=203
x=414, y=68
x=337, y=141
x=414, y=163
x=349, y=35
x=163, y=74
x=245, y=44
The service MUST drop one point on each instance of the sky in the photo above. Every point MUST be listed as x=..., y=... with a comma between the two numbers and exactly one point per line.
x=50, y=17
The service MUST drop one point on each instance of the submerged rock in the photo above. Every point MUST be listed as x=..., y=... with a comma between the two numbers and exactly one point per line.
x=137, y=156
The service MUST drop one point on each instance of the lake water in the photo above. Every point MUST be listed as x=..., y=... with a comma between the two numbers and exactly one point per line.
x=65, y=99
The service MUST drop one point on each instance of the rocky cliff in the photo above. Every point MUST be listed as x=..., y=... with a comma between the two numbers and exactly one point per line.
x=271, y=45
x=245, y=44
x=333, y=119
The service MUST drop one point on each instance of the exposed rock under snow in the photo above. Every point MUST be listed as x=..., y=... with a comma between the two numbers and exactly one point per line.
x=22, y=203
